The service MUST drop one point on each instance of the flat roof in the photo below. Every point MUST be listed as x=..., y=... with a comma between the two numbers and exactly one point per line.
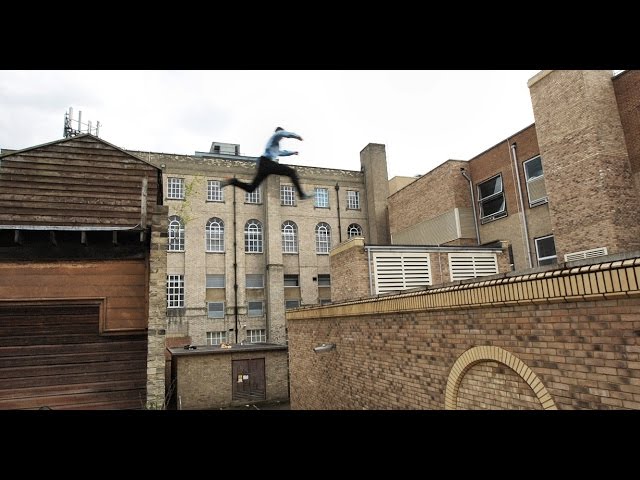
x=216, y=349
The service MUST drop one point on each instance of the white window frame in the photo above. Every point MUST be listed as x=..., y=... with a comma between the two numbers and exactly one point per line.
x=289, y=237
x=175, y=291
x=322, y=197
x=253, y=197
x=482, y=200
x=257, y=335
x=323, y=238
x=353, y=200
x=215, y=192
x=216, y=338
x=253, y=238
x=214, y=235
x=537, y=178
x=218, y=313
x=175, y=188
x=176, y=234
x=354, y=230
x=545, y=260
x=287, y=195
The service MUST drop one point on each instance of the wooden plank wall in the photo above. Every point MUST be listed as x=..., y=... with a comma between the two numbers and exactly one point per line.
x=80, y=182
x=52, y=355
x=123, y=283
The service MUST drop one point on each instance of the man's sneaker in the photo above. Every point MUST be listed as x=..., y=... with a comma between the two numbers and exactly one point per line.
x=225, y=182
x=306, y=196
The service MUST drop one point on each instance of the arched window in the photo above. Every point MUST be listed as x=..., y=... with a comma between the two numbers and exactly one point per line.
x=176, y=234
x=289, y=237
x=214, y=235
x=253, y=237
x=323, y=238
x=354, y=230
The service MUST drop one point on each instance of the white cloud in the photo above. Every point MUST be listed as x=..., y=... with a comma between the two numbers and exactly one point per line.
x=423, y=117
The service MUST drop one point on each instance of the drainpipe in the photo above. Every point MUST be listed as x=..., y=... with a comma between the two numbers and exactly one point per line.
x=235, y=262
x=339, y=226
x=473, y=204
x=524, y=218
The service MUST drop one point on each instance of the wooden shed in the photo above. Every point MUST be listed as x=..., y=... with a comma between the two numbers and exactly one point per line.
x=75, y=218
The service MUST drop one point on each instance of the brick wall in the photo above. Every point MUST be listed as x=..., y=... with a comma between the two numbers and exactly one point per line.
x=565, y=338
x=156, y=333
x=592, y=198
x=204, y=380
x=627, y=90
x=349, y=271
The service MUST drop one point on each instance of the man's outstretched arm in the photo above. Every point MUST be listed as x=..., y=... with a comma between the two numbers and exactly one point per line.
x=286, y=153
x=284, y=134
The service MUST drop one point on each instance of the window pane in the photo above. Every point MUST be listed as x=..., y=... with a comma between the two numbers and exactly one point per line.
x=255, y=309
x=324, y=280
x=533, y=167
x=215, y=281
x=546, y=247
x=255, y=280
x=322, y=198
x=292, y=304
x=216, y=309
x=291, y=281
x=490, y=187
x=495, y=205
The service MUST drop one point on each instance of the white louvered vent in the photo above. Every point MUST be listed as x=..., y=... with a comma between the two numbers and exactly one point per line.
x=400, y=271
x=594, y=252
x=471, y=265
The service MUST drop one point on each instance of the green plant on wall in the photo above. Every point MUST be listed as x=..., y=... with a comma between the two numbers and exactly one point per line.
x=191, y=189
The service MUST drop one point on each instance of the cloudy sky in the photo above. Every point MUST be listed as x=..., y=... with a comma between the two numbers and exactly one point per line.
x=423, y=117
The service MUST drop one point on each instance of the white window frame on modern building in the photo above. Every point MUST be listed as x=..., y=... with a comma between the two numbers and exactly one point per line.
x=322, y=197
x=253, y=311
x=175, y=291
x=289, y=237
x=535, y=180
x=324, y=280
x=175, y=232
x=253, y=197
x=175, y=188
x=253, y=236
x=287, y=195
x=464, y=265
x=354, y=230
x=254, y=280
x=258, y=335
x=214, y=191
x=215, y=280
x=353, y=200
x=323, y=238
x=549, y=259
x=215, y=309
x=216, y=338
x=484, y=218
x=214, y=235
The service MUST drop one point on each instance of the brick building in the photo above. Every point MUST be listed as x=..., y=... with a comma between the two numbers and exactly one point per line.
x=564, y=188
x=236, y=261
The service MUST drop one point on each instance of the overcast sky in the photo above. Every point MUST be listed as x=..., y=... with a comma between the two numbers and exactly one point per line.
x=423, y=117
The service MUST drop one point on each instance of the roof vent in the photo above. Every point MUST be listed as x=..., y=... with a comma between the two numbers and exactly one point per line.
x=594, y=252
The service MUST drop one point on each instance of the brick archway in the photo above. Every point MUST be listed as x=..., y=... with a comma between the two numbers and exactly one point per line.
x=477, y=355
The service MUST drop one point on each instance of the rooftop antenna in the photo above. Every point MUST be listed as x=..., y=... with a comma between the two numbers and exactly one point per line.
x=69, y=131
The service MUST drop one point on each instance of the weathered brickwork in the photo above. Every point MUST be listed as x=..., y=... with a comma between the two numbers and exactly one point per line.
x=204, y=381
x=572, y=335
x=627, y=90
x=157, y=307
x=592, y=198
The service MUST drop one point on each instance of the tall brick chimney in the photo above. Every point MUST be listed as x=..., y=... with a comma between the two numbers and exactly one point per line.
x=373, y=160
x=592, y=199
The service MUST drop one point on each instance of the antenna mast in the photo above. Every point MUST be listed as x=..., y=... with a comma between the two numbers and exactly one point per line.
x=69, y=131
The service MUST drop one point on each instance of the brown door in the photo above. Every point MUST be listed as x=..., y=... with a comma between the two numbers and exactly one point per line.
x=51, y=355
x=248, y=379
